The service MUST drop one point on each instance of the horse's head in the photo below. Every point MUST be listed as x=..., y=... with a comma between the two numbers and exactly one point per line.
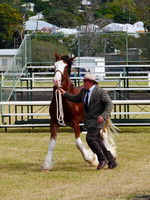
x=62, y=68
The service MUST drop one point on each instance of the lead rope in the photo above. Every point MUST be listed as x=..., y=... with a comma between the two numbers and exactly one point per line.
x=59, y=108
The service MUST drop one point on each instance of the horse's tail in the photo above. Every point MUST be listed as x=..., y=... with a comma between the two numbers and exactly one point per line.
x=108, y=133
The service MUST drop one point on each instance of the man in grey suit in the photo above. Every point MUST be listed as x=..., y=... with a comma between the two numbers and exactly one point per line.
x=97, y=108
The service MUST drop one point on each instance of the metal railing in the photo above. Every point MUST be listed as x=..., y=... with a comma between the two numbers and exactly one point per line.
x=108, y=55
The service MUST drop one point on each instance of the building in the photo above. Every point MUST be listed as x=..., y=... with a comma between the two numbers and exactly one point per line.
x=6, y=56
x=137, y=27
x=39, y=25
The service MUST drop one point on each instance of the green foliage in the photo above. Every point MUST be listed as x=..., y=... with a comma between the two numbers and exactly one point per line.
x=147, y=24
x=115, y=12
x=41, y=5
x=10, y=24
x=143, y=12
x=104, y=1
x=43, y=48
x=7, y=1
x=68, y=5
x=63, y=13
x=60, y=18
x=142, y=44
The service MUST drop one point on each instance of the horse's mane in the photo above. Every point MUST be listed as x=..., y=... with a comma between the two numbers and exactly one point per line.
x=69, y=61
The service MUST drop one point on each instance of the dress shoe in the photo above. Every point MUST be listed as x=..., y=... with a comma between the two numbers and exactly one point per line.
x=101, y=165
x=113, y=166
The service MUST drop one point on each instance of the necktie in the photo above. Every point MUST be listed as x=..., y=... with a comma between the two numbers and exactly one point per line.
x=86, y=101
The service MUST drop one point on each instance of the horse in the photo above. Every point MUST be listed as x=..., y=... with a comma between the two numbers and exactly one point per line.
x=73, y=114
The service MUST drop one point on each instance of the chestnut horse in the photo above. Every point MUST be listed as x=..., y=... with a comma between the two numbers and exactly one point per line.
x=73, y=113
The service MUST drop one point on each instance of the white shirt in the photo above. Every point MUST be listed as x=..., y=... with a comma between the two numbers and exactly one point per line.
x=90, y=93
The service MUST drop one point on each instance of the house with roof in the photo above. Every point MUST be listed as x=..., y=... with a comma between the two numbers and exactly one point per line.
x=137, y=27
x=6, y=56
x=40, y=25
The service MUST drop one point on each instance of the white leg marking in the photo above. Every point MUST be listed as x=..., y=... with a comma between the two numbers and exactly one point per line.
x=87, y=154
x=48, y=160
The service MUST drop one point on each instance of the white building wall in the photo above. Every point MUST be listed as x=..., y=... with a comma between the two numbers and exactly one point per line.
x=6, y=56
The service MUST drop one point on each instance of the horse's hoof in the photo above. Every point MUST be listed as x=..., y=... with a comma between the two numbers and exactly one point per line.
x=47, y=166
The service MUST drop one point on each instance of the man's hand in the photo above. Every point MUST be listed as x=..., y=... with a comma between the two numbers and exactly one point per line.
x=61, y=91
x=100, y=119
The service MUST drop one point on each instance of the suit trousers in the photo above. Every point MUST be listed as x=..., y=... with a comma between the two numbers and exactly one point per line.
x=96, y=144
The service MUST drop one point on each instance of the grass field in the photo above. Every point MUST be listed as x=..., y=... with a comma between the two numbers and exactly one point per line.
x=23, y=150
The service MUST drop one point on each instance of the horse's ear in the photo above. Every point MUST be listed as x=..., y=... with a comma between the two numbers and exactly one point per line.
x=72, y=59
x=57, y=56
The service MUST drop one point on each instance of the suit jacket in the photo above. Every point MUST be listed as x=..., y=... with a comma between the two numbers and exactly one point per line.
x=100, y=104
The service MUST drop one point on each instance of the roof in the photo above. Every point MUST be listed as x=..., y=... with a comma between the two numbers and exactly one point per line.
x=45, y=26
x=32, y=24
x=67, y=31
x=129, y=28
x=8, y=52
x=38, y=16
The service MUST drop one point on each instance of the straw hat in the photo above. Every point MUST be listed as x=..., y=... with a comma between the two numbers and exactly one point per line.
x=90, y=77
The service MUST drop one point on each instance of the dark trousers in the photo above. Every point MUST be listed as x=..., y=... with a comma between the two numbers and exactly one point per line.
x=96, y=144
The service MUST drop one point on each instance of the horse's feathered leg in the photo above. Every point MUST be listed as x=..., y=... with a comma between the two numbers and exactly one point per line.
x=87, y=154
x=108, y=136
x=48, y=164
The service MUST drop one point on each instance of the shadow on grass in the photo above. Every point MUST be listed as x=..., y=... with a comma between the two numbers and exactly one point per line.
x=144, y=129
x=19, y=166
x=140, y=197
x=35, y=130
x=36, y=167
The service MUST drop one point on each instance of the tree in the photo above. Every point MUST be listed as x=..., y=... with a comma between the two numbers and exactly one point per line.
x=143, y=11
x=41, y=5
x=60, y=18
x=63, y=13
x=43, y=48
x=10, y=24
x=115, y=12
x=68, y=5
x=129, y=9
x=7, y=1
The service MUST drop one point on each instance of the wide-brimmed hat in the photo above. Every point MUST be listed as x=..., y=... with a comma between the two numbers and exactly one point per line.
x=90, y=77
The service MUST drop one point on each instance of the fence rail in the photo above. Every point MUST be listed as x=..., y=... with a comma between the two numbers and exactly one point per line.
x=123, y=75
x=31, y=122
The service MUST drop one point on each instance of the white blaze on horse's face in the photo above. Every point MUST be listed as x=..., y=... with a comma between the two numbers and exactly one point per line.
x=59, y=69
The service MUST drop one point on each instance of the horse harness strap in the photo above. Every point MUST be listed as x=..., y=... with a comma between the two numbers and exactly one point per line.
x=60, y=71
x=59, y=108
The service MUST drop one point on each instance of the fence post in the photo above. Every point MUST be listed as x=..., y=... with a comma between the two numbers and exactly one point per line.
x=2, y=80
x=33, y=79
x=148, y=79
x=120, y=80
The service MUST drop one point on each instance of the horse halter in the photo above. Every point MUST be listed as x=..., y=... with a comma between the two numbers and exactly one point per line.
x=62, y=73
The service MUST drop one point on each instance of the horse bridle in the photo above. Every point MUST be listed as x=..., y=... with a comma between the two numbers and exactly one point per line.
x=60, y=71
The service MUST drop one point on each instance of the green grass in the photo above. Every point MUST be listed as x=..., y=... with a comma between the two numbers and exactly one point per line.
x=23, y=150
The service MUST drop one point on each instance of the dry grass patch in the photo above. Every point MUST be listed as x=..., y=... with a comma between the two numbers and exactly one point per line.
x=23, y=151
